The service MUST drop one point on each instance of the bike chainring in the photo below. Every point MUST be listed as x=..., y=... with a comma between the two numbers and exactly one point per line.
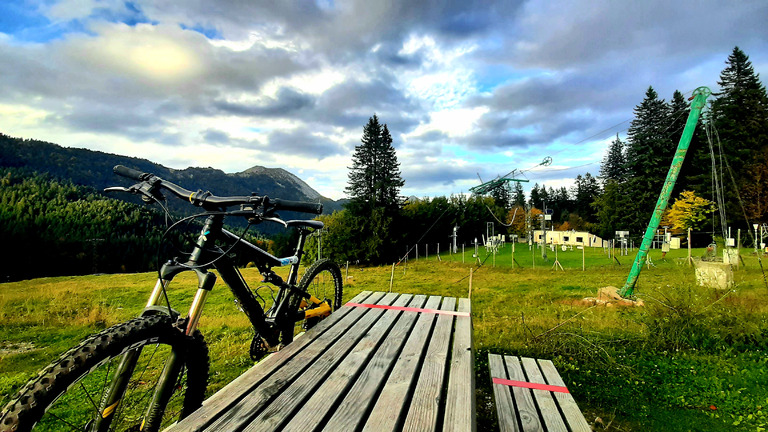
x=259, y=347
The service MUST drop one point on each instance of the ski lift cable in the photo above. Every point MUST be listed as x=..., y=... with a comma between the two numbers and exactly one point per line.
x=423, y=235
x=717, y=180
x=679, y=115
x=500, y=222
x=744, y=212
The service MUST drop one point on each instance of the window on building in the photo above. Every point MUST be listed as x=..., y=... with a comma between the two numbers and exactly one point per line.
x=579, y=239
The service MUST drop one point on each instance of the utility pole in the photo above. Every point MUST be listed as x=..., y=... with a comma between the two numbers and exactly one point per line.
x=544, y=233
x=700, y=96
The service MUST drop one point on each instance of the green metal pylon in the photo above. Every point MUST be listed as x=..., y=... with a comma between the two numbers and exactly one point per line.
x=700, y=96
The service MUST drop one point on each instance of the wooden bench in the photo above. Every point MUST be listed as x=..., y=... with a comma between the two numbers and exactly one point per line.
x=531, y=396
x=382, y=362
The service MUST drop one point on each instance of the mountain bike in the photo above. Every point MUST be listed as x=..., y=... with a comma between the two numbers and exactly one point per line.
x=148, y=372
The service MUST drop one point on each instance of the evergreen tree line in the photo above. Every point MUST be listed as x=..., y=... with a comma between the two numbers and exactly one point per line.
x=729, y=151
x=730, y=142
x=52, y=227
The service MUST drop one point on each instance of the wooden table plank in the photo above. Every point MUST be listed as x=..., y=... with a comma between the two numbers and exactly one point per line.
x=571, y=412
x=258, y=398
x=460, y=407
x=544, y=400
x=427, y=397
x=289, y=399
x=324, y=396
x=505, y=406
x=526, y=408
x=227, y=397
x=352, y=411
x=388, y=411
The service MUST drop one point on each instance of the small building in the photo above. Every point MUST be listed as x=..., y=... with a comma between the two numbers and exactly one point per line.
x=569, y=238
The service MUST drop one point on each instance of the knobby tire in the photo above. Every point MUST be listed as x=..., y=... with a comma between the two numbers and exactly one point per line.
x=67, y=394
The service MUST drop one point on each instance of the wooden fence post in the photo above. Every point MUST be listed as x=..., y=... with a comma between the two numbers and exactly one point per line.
x=391, y=277
x=470, y=283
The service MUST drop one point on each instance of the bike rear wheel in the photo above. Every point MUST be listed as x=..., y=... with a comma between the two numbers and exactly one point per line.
x=73, y=392
x=323, y=280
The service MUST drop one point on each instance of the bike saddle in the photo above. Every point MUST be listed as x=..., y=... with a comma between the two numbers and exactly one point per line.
x=314, y=224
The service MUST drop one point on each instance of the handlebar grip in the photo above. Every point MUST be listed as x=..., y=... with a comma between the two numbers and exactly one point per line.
x=128, y=172
x=299, y=206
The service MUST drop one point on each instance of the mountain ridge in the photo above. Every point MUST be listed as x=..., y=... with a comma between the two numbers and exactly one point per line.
x=94, y=168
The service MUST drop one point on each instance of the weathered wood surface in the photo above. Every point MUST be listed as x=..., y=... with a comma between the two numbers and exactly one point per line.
x=533, y=409
x=361, y=368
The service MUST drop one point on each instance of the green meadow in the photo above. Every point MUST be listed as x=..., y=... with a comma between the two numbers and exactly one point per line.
x=691, y=358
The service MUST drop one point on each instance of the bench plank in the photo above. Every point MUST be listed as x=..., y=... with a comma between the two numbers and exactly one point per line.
x=325, y=394
x=533, y=409
x=378, y=369
x=544, y=399
x=223, y=400
x=425, y=405
x=571, y=412
x=505, y=406
x=387, y=412
x=460, y=405
x=526, y=408
x=281, y=409
x=258, y=398
x=350, y=414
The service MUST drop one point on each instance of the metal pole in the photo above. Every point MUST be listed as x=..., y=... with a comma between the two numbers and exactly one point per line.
x=700, y=97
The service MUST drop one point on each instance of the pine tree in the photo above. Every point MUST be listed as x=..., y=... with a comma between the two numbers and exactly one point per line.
x=519, y=197
x=535, y=200
x=650, y=148
x=678, y=116
x=649, y=154
x=585, y=190
x=374, y=190
x=740, y=112
x=740, y=117
x=374, y=177
x=614, y=164
x=502, y=195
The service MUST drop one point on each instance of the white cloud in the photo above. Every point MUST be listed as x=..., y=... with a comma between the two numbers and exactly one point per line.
x=465, y=87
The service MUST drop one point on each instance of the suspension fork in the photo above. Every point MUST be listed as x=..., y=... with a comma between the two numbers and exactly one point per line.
x=173, y=365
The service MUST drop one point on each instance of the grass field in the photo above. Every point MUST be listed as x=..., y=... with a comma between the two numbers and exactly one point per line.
x=692, y=358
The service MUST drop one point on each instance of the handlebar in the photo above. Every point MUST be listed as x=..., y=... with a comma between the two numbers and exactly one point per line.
x=212, y=202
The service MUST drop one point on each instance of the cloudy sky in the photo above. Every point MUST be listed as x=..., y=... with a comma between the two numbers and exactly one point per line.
x=466, y=87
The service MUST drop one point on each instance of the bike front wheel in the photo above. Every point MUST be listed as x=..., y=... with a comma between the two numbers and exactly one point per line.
x=111, y=382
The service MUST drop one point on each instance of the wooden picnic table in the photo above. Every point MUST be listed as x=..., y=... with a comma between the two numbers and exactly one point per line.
x=382, y=362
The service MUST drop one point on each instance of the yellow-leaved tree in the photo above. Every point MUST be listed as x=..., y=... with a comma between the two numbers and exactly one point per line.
x=688, y=211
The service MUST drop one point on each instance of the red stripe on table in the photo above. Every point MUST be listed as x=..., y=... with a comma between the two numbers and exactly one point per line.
x=530, y=385
x=408, y=309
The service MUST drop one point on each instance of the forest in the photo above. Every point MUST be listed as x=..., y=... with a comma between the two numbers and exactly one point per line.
x=52, y=227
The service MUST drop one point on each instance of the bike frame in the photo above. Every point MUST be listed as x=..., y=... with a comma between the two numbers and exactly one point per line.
x=282, y=312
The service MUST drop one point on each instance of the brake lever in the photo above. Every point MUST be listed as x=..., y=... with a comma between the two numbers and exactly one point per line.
x=149, y=193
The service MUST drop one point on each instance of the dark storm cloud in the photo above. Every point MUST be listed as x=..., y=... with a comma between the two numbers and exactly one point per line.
x=303, y=142
x=346, y=28
x=214, y=136
x=441, y=173
x=287, y=103
x=351, y=103
x=564, y=35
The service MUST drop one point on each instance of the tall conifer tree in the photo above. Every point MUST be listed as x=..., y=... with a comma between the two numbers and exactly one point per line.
x=614, y=164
